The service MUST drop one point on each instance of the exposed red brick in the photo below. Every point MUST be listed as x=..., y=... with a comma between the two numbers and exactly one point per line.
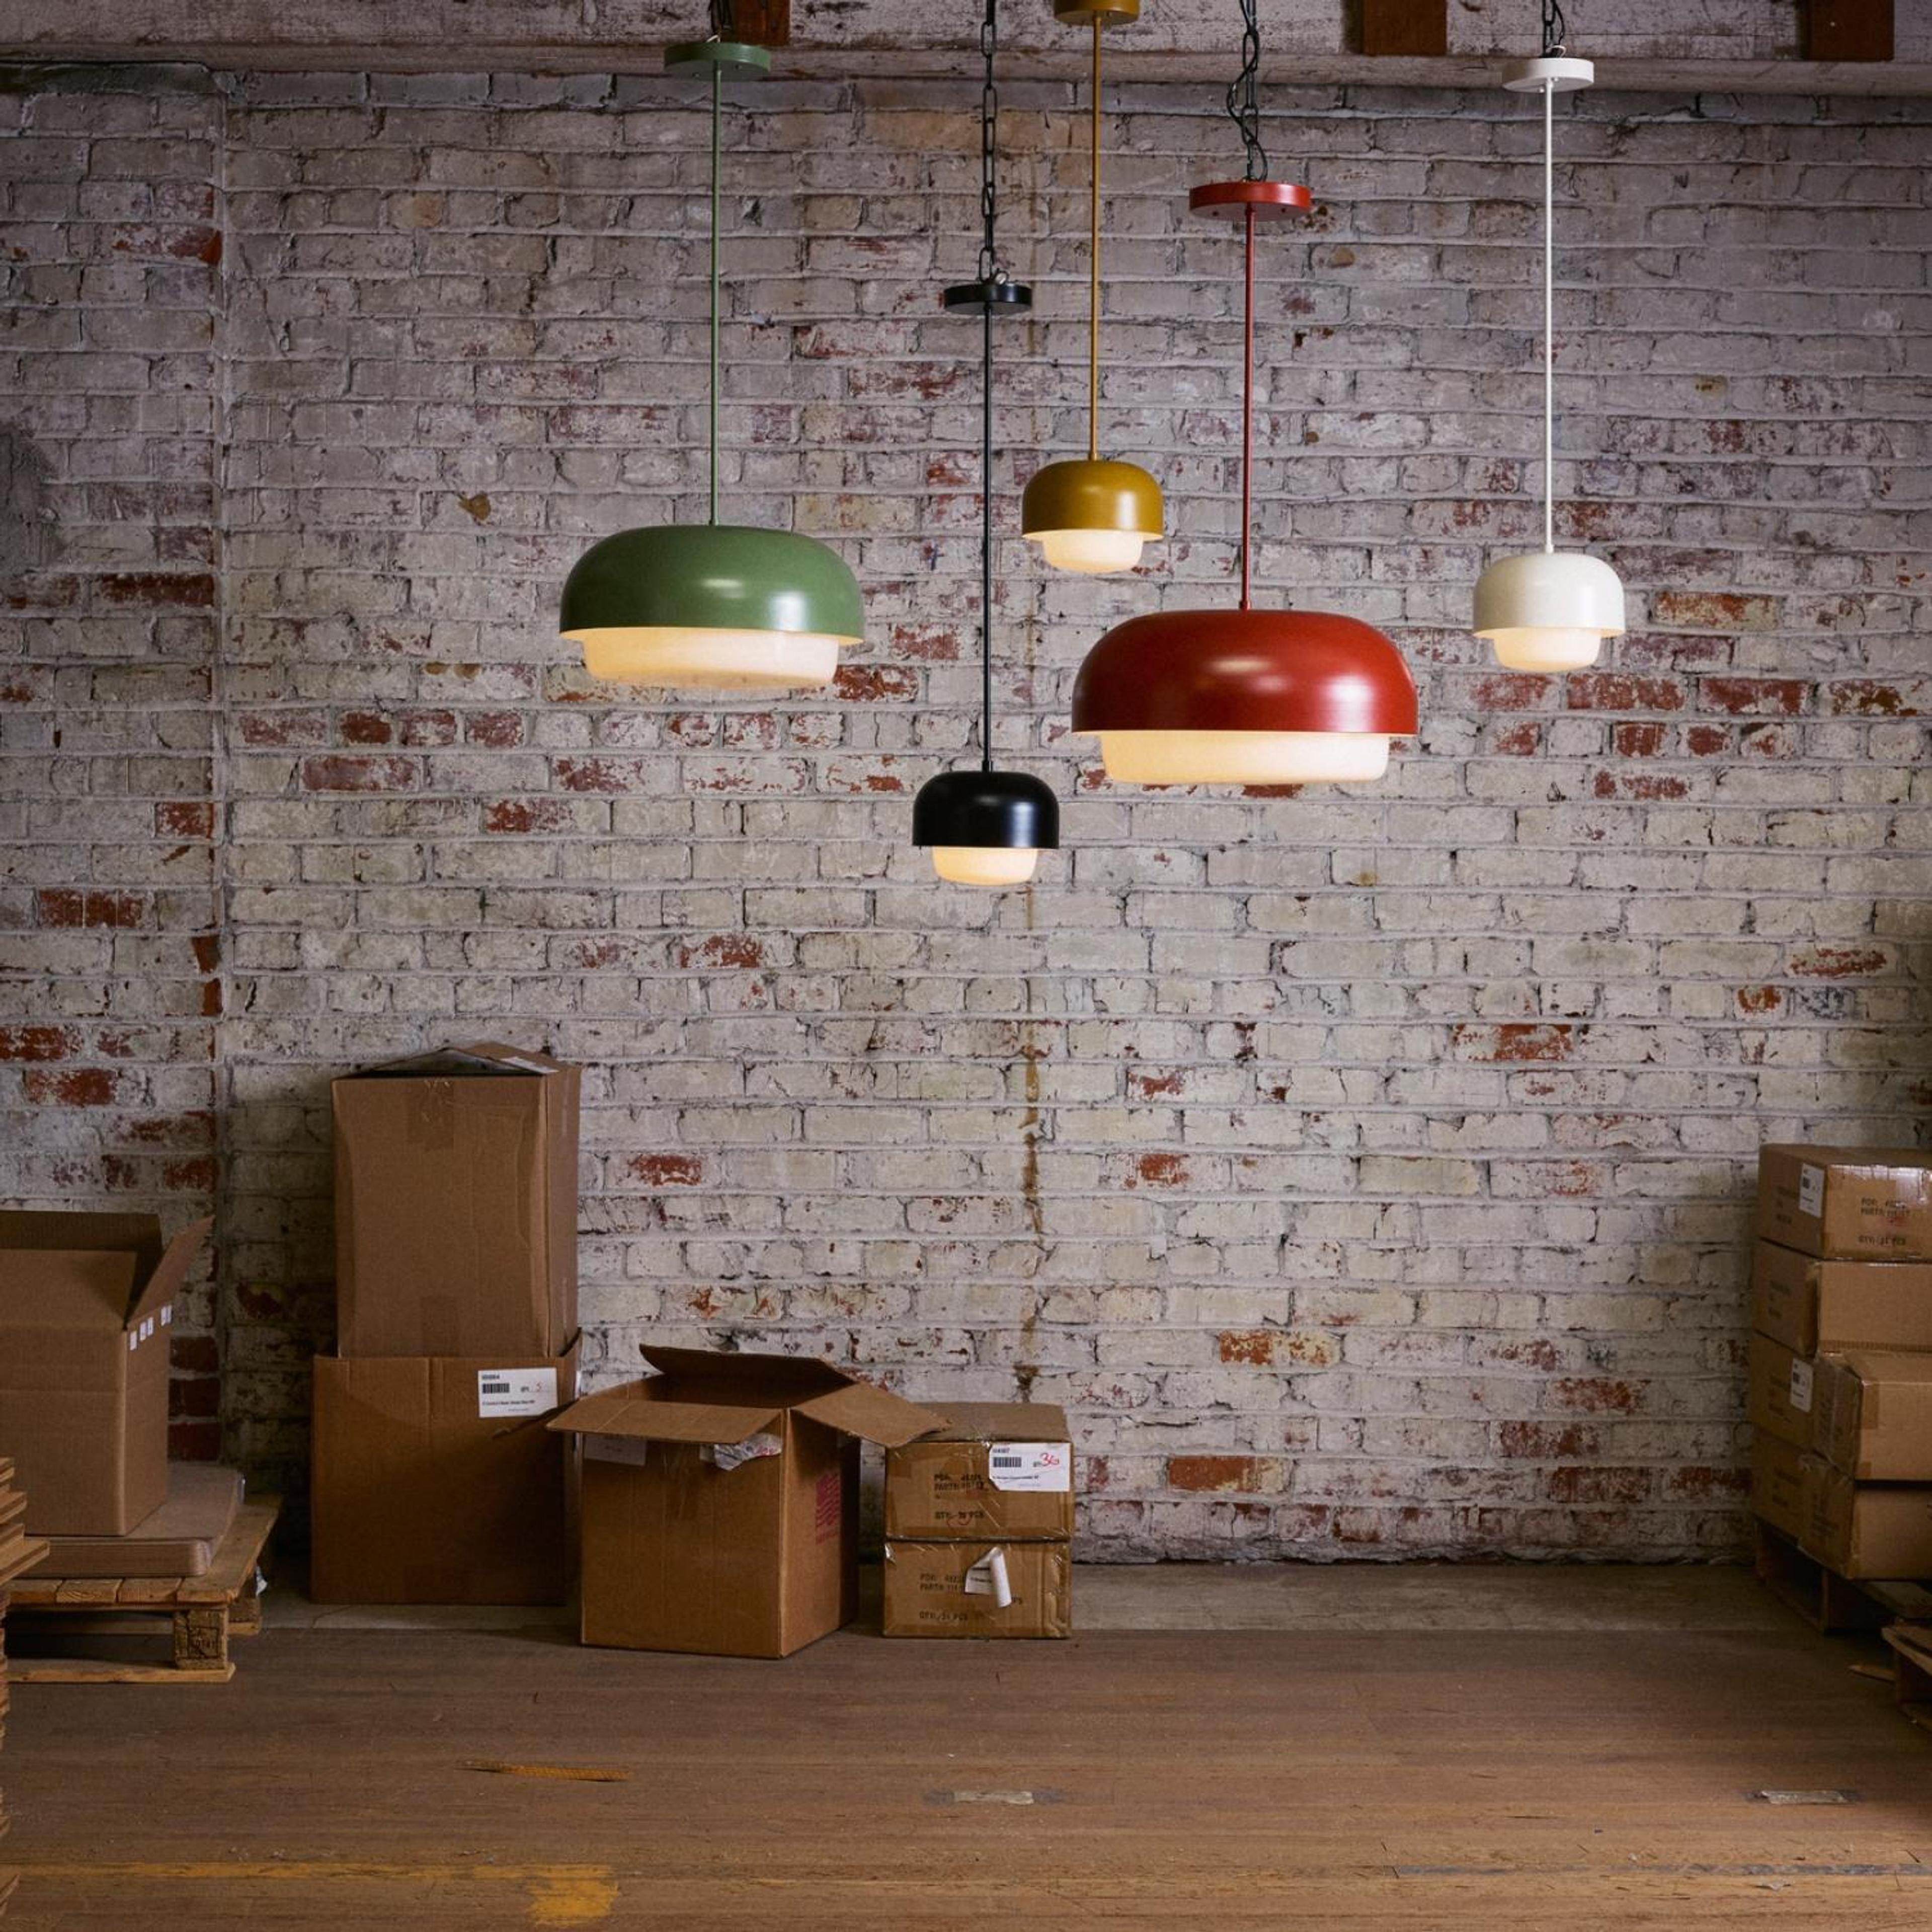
x=1695, y=1483
x=1533, y=1351
x=194, y=1441
x=1760, y=999
x=1512, y=691
x=1839, y=962
x=1218, y=1474
x=1641, y=785
x=38, y=1043
x=1249, y=1345
x=195, y=592
x=1713, y=610
x=1143, y=1083
x=1706, y=741
x=1582, y=1485
x=527, y=815
x=428, y=729
x=207, y=946
x=125, y=911
x=1767, y=741
x=1159, y=1170
x=1596, y=1395
x=667, y=1170
x=1867, y=698
x=196, y=1397
x=874, y=684
x=723, y=950
x=499, y=730
x=1516, y=1040
x=366, y=727
x=1753, y=697
x=79, y=1087
x=1543, y=1441
x=1616, y=691
x=185, y=818
x=345, y=773
x=601, y=775
x=1640, y=739
x=194, y=1354
x=1517, y=741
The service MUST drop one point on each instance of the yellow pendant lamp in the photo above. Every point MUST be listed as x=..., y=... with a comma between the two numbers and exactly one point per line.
x=1093, y=514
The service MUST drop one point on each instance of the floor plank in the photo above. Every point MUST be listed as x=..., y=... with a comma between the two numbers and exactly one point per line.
x=1462, y=1772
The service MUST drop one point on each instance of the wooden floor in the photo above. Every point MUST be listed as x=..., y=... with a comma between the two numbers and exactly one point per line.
x=1596, y=1767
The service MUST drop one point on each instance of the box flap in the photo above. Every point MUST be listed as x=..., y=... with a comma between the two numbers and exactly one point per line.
x=1000, y=1422
x=631, y=1411
x=100, y=1234
x=785, y=1377
x=860, y=1409
x=71, y=1291
x=170, y=1272
x=1884, y=1365
x=484, y=1058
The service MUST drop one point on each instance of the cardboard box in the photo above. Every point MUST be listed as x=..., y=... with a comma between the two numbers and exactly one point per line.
x=721, y=1501
x=1873, y=1414
x=1847, y=1204
x=1783, y=1392
x=1809, y=1304
x=1778, y=1493
x=998, y=1470
x=978, y=1589
x=435, y=1481
x=86, y=1304
x=456, y=1205
x=1861, y=1529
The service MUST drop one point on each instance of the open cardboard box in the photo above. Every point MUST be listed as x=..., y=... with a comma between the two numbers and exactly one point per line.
x=720, y=1501
x=86, y=1301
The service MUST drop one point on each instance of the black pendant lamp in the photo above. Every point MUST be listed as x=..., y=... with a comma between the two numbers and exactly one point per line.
x=986, y=827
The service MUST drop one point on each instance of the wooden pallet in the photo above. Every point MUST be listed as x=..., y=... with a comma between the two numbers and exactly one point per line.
x=1912, y=1670
x=203, y=1611
x=1828, y=1602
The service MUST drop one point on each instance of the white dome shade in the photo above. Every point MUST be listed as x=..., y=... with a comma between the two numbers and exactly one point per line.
x=1550, y=590
x=984, y=865
x=1091, y=552
x=1244, y=757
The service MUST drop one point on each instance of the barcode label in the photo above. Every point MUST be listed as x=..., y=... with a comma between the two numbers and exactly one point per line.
x=515, y=1391
x=1045, y=1468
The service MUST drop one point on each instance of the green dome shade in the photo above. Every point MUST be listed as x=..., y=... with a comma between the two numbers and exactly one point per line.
x=712, y=606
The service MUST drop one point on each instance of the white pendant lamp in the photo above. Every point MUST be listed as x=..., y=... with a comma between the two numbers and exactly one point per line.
x=1549, y=610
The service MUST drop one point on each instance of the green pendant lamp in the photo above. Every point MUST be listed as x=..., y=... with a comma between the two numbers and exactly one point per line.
x=1092, y=515
x=720, y=607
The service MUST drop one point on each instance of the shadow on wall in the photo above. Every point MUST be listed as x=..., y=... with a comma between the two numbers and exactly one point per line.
x=29, y=537
x=277, y=1286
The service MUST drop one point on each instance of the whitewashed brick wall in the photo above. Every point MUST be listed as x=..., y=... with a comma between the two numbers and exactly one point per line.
x=1366, y=1169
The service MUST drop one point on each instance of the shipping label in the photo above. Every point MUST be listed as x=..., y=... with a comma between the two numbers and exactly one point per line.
x=516, y=1391
x=1811, y=1191
x=1042, y=1468
x=1801, y=1387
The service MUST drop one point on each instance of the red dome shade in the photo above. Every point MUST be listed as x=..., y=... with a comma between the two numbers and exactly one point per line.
x=1245, y=671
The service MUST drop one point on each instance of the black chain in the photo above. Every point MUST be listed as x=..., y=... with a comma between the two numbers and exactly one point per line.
x=989, y=124
x=1244, y=107
x=721, y=22
x=1555, y=29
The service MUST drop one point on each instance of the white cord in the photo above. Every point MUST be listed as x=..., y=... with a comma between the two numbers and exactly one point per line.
x=1549, y=316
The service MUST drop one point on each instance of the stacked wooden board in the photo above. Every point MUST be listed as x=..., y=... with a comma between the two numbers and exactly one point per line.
x=18, y=1551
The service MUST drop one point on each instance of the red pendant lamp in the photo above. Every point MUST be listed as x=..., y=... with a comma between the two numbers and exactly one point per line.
x=1245, y=697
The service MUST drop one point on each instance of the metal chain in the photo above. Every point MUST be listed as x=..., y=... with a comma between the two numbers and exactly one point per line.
x=1555, y=29
x=722, y=26
x=1243, y=102
x=989, y=123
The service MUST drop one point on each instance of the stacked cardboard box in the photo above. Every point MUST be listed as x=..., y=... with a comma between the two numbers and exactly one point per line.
x=434, y=1478
x=18, y=1553
x=979, y=1525
x=1840, y=1373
